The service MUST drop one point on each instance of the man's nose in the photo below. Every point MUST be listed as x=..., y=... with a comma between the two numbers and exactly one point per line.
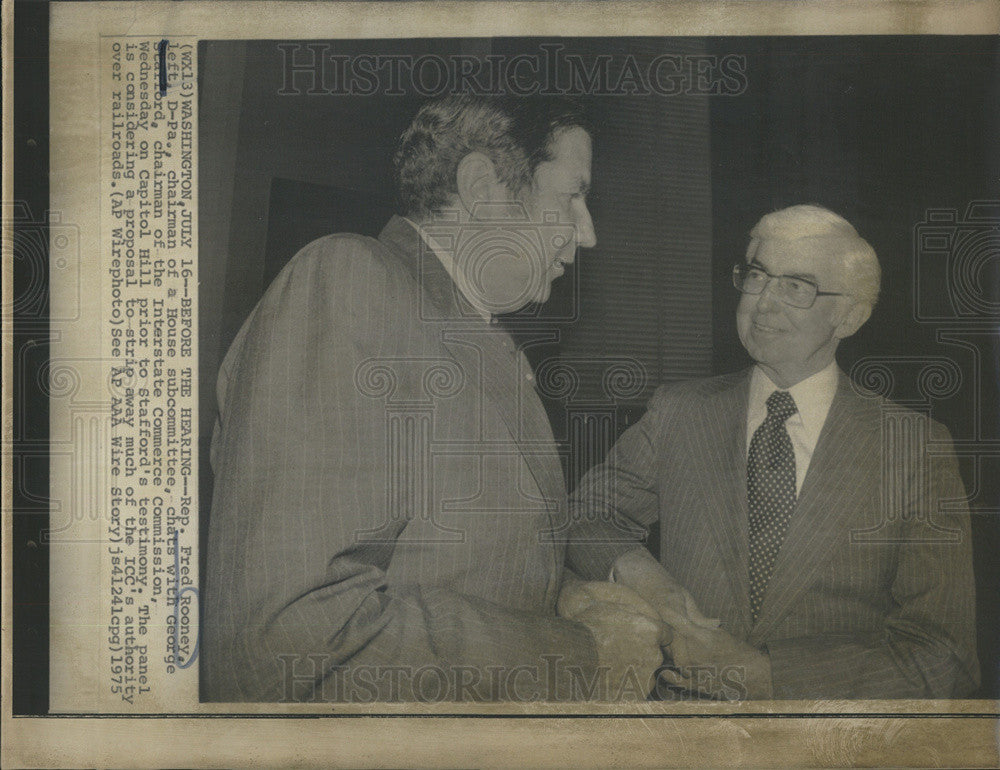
x=767, y=298
x=585, y=235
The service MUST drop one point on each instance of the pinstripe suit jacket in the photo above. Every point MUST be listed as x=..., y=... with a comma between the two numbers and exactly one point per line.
x=385, y=474
x=872, y=593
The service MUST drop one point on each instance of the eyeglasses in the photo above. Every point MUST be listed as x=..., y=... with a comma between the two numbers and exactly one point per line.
x=797, y=292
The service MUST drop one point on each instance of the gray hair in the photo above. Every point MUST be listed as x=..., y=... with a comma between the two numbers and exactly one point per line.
x=812, y=221
x=516, y=133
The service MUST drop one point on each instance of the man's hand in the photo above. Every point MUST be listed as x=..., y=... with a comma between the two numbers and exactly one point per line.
x=646, y=576
x=628, y=635
x=577, y=596
x=713, y=662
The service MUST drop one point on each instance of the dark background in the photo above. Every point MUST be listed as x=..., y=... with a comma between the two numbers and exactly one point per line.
x=879, y=129
x=30, y=332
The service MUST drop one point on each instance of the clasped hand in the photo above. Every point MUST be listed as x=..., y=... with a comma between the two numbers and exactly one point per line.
x=627, y=631
x=644, y=612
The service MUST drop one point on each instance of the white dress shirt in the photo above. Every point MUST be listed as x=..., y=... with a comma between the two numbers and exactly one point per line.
x=812, y=397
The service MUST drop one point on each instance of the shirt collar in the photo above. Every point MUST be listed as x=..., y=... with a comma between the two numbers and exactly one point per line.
x=813, y=397
x=444, y=257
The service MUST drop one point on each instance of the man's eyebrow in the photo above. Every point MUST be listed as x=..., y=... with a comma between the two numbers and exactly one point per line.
x=811, y=277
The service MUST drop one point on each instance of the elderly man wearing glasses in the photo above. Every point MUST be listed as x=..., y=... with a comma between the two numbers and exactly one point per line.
x=825, y=527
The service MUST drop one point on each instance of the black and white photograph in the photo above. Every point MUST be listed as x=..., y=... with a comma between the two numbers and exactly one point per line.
x=494, y=328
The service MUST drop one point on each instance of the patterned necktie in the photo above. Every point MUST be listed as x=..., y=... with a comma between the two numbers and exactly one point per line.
x=770, y=492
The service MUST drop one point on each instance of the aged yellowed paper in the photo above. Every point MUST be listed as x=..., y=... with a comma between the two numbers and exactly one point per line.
x=145, y=233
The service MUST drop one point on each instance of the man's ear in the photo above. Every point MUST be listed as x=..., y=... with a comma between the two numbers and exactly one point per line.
x=476, y=179
x=853, y=320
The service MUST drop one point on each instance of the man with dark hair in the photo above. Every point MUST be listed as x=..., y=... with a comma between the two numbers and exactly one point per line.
x=825, y=526
x=387, y=484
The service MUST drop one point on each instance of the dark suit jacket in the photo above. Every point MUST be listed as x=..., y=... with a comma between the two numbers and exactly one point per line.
x=872, y=592
x=385, y=474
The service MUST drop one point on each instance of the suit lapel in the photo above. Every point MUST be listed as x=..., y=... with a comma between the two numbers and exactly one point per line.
x=491, y=366
x=830, y=494
x=501, y=372
x=722, y=427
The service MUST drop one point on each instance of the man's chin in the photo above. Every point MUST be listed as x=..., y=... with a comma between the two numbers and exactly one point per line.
x=540, y=295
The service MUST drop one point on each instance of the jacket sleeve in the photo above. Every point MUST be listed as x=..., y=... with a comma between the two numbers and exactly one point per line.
x=302, y=527
x=616, y=501
x=927, y=647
